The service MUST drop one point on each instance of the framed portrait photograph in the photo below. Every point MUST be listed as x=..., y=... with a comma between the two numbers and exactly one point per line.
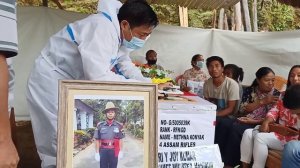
x=107, y=124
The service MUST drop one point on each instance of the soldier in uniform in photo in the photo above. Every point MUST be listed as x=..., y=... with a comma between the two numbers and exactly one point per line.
x=108, y=135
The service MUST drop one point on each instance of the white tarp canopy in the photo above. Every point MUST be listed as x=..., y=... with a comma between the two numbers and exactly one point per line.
x=175, y=47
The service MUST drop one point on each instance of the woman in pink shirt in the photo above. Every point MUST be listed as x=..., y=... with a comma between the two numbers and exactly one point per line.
x=259, y=143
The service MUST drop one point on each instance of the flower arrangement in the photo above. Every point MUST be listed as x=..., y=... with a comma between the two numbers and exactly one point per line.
x=157, y=75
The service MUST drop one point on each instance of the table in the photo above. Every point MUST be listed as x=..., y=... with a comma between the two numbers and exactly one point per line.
x=185, y=126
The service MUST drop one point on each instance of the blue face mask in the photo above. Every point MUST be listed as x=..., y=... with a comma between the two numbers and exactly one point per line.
x=200, y=64
x=135, y=43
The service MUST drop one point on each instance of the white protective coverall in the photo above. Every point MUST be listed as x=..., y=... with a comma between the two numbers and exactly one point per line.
x=11, y=83
x=89, y=54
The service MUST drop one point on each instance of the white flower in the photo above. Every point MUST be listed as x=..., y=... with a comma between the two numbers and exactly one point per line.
x=159, y=72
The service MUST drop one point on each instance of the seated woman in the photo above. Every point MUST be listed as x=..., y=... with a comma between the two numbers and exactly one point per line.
x=236, y=73
x=256, y=101
x=291, y=152
x=194, y=74
x=259, y=142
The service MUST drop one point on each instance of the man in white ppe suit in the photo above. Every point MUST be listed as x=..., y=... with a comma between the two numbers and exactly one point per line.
x=87, y=49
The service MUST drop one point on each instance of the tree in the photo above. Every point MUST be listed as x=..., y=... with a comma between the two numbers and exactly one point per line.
x=274, y=16
x=134, y=115
x=271, y=15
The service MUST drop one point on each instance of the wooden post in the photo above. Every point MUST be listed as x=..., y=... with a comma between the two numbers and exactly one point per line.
x=58, y=4
x=221, y=19
x=232, y=20
x=45, y=3
x=180, y=15
x=238, y=17
x=186, y=17
x=226, y=27
x=246, y=15
x=183, y=16
x=254, y=11
x=214, y=19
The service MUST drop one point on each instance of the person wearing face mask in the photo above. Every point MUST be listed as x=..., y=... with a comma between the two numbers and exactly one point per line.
x=195, y=75
x=151, y=58
x=87, y=49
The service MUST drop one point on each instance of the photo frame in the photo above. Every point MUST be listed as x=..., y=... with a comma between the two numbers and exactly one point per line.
x=82, y=112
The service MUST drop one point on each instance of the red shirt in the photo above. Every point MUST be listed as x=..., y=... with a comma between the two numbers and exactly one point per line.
x=285, y=118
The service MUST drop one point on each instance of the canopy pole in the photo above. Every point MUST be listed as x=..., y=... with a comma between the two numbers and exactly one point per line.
x=183, y=16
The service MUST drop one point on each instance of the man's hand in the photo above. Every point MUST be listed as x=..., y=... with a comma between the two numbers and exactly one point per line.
x=8, y=154
x=97, y=157
x=165, y=85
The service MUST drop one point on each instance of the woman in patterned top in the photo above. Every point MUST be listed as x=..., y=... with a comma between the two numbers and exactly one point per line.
x=258, y=144
x=195, y=73
x=291, y=151
x=256, y=101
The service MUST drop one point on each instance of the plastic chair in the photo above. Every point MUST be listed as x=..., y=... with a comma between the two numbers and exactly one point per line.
x=280, y=83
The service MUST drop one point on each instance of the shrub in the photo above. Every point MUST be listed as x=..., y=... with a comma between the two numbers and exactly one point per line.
x=139, y=133
x=129, y=127
x=90, y=131
x=81, y=137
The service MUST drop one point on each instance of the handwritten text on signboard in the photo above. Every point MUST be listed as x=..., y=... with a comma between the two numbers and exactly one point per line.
x=179, y=135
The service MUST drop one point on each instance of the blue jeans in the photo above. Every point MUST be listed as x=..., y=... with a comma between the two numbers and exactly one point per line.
x=222, y=132
x=291, y=155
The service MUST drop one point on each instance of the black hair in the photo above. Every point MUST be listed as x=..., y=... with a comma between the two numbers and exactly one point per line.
x=237, y=72
x=149, y=52
x=194, y=58
x=288, y=81
x=214, y=58
x=261, y=72
x=137, y=13
x=291, y=98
